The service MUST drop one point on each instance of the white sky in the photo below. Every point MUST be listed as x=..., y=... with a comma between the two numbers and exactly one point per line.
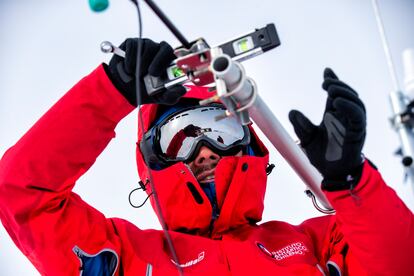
x=47, y=46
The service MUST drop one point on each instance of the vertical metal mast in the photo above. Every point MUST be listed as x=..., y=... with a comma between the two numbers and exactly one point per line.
x=385, y=45
x=402, y=118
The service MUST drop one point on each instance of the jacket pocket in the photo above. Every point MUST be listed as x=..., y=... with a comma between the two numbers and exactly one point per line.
x=103, y=263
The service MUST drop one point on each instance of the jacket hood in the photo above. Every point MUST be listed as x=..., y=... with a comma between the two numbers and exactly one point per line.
x=240, y=185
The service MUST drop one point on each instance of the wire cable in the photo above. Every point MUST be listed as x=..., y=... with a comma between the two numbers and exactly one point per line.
x=141, y=125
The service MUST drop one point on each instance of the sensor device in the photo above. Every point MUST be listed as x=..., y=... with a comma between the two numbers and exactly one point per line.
x=98, y=5
x=239, y=49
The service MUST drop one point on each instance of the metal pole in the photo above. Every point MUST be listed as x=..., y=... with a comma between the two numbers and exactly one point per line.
x=243, y=91
x=408, y=64
x=398, y=101
x=385, y=44
x=291, y=152
x=168, y=23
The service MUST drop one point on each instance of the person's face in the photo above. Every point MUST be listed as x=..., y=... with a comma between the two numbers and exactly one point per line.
x=204, y=165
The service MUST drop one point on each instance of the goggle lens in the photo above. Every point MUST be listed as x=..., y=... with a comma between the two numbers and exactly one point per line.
x=180, y=133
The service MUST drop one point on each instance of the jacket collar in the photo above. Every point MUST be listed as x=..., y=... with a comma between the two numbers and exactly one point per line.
x=240, y=188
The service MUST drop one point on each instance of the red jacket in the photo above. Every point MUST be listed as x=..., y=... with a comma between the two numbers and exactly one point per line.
x=372, y=232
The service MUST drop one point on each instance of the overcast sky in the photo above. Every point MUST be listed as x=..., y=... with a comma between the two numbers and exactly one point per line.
x=47, y=46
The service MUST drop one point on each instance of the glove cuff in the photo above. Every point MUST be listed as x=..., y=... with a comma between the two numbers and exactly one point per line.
x=120, y=86
x=348, y=182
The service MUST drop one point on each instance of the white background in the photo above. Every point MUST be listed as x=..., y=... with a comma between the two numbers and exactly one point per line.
x=47, y=46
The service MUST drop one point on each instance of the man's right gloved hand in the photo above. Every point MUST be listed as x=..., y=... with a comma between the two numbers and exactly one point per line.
x=155, y=59
x=334, y=146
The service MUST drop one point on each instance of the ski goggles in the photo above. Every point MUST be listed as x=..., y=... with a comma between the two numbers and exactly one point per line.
x=179, y=136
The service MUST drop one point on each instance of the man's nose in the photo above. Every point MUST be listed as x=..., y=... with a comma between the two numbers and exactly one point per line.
x=206, y=156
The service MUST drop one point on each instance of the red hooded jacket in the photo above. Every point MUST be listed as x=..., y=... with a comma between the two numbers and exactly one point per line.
x=372, y=232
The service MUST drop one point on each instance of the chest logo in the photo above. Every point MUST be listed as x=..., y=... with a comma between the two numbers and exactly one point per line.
x=199, y=258
x=293, y=249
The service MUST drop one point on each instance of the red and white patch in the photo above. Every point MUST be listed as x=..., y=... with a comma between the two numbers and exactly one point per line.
x=293, y=249
x=199, y=258
x=297, y=248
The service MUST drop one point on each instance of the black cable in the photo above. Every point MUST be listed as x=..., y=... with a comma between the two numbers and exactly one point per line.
x=141, y=125
x=143, y=203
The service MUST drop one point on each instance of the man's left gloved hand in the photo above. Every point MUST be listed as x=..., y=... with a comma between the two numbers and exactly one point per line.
x=334, y=147
x=154, y=60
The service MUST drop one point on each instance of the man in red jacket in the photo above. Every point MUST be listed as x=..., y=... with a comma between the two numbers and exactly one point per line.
x=210, y=187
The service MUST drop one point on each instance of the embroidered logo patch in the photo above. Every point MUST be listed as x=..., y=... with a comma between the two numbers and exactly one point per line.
x=192, y=262
x=297, y=248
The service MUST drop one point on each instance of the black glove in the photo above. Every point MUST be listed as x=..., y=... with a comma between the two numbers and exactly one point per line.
x=334, y=147
x=155, y=58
